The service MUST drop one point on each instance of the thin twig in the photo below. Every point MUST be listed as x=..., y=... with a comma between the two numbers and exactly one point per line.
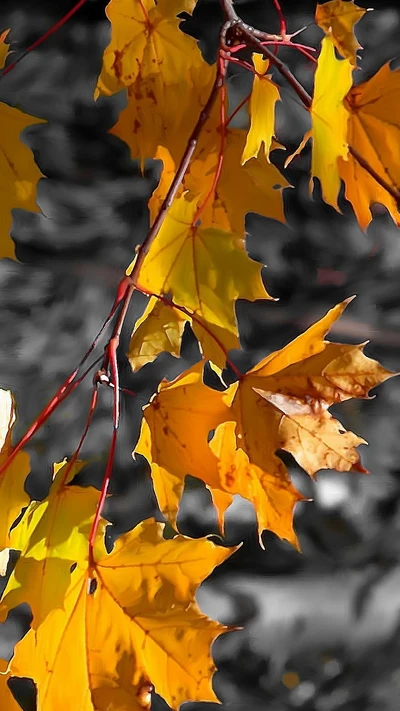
x=44, y=37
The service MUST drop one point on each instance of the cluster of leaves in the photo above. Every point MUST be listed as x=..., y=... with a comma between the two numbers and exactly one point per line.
x=125, y=620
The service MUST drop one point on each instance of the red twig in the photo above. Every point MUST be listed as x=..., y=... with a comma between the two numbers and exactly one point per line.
x=92, y=407
x=238, y=107
x=282, y=21
x=110, y=360
x=62, y=393
x=69, y=383
x=44, y=37
x=222, y=66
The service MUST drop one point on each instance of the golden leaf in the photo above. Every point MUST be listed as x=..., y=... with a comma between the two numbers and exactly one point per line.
x=282, y=403
x=374, y=131
x=128, y=622
x=337, y=18
x=263, y=98
x=13, y=496
x=18, y=170
x=174, y=436
x=146, y=41
x=159, y=329
x=204, y=270
x=333, y=80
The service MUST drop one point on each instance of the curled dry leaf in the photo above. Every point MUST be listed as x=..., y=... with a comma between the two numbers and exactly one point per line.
x=337, y=18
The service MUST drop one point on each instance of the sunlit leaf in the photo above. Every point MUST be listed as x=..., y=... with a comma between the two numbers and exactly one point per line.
x=264, y=96
x=204, y=270
x=337, y=18
x=13, y=496
x=374, y=131
x=19, y=173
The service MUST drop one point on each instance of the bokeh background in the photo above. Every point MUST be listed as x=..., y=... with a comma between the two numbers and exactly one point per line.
x=320, y=629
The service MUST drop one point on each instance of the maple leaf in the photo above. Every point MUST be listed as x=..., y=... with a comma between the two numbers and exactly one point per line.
x=13, y=496
x=146, y=41
x=337, y=18
x=329, y=132
x=263, y=98
x=162, y=69
x=18, y=170
x=271, y=493
x=174, y=434
x=151, y=118
x=254, y=187
x=204, y=270
x=174, y=439
x=120, y=624
x=288, y=395
x=374, y=131
x=161, y=327
x=282, y=403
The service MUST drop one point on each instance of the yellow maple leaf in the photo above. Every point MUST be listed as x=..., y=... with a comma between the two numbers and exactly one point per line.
x=150, y=117
x=329, y=118
x=337, y=18
x=374, y=131
x=13, y=496
x=128, y=620
x=204, y=270
x=253, y=187
x=263, y=98
x=161, y=67
x=18, y=170
x=161, y=327
x=146, y=41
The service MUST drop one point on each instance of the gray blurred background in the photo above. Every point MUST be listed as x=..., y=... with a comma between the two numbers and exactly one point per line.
x=320, y=629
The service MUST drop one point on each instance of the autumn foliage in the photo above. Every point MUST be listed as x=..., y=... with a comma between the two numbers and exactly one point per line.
x=125, y=621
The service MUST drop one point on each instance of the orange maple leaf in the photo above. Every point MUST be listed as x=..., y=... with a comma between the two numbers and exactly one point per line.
x=282, y=403
x=374, y=131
